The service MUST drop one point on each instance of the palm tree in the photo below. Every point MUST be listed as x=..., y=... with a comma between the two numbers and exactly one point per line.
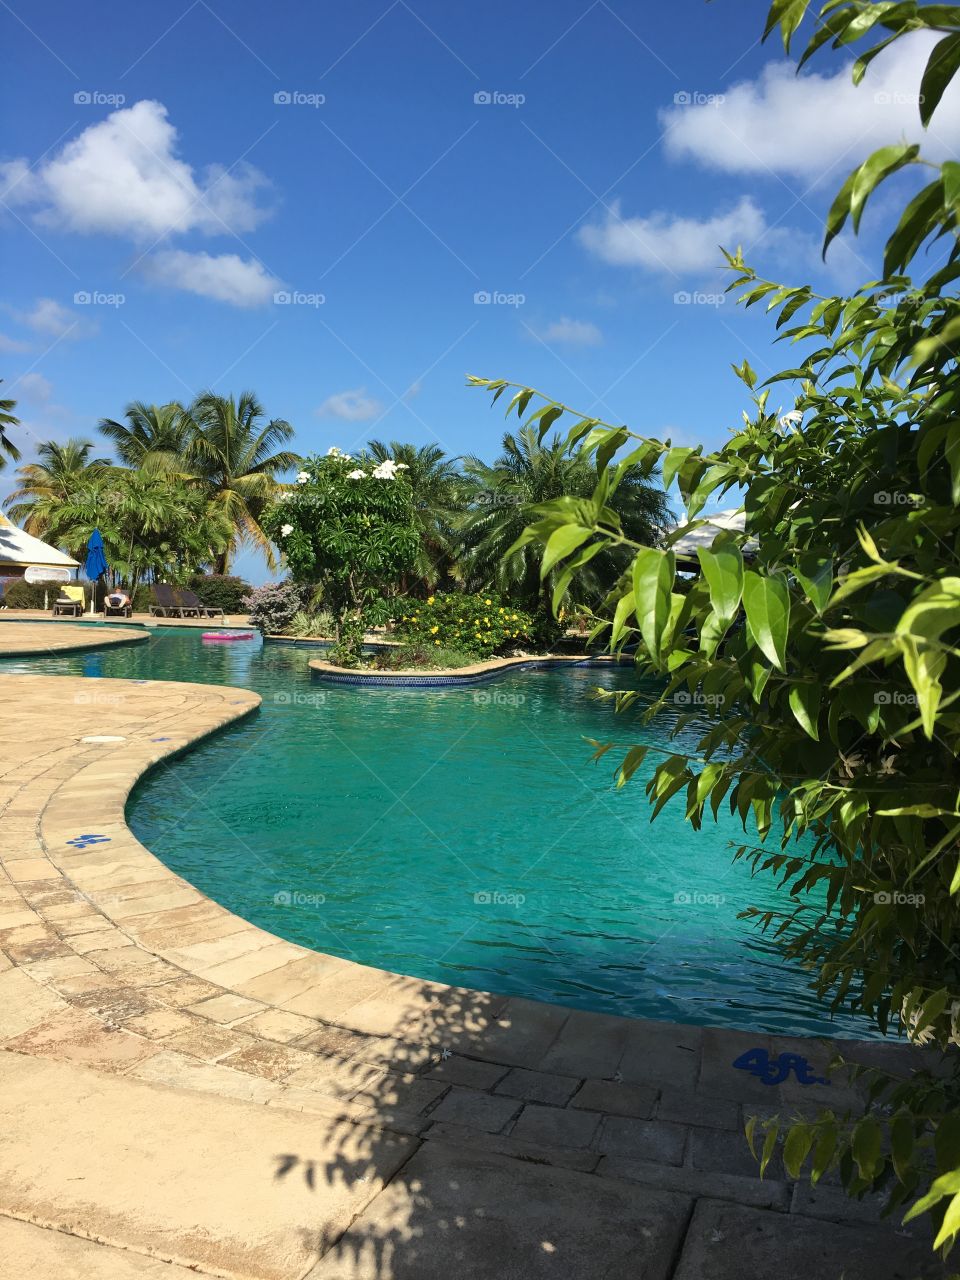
x=59, y=474
x=233, y=452
x=8, y=419
x=438, y=489
x=154, y=436
x=529, y=472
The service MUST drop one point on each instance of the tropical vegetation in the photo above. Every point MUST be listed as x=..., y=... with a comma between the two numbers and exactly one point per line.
x=475, y=625
x=7, y=419
x=827, y=636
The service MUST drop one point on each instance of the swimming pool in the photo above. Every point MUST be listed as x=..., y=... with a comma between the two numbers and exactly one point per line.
x=459, y=835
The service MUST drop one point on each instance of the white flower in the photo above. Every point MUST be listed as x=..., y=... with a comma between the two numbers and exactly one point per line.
x=285, y=497
x=794, y=417
x=333, y=452
x=387, y=470
x=402, y=466
x=303, y=477
x=286, y=531
x=357, y=475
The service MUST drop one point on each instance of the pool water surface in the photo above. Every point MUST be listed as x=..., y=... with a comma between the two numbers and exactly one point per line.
x=459, y=835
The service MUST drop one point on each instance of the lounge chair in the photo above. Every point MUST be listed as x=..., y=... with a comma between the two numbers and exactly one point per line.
x=167, y=605
x=190, y=600
x=70, y=600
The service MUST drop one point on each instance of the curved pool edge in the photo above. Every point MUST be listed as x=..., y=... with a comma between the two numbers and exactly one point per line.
x=87, y=909
x=44, y=638
x=452, y=678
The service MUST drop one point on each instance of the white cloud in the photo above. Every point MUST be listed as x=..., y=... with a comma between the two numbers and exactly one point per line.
x=122, y=176
x=351, y=406
x=54, y=320
x=667, y=242
x=13, y=345
x=35, y=387
x=225, y=277
x=810, y=124
x=575, y=333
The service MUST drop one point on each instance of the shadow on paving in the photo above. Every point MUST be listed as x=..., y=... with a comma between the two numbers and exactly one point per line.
x=459, y=1205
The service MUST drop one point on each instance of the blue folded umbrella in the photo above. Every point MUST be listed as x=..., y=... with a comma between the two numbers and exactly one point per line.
x=95, y=565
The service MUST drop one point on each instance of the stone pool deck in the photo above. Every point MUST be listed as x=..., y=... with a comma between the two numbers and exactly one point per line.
x=182, y=1092
x=49, y=638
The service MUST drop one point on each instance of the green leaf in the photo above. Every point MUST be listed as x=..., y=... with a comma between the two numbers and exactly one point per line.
x=560, y=544
x=766, y=600
x=815, y=575
x=866, y=1146
x=723, y=570
x=796, y=1148
x=653, y=575
x=804, y=702
x=940, y=69
x=873, y=171
x=902, y=1140
x=769, y=1146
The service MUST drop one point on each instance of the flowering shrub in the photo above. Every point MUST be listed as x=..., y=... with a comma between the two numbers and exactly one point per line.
x=274, y=605
x=476, y=624
x=348, y=524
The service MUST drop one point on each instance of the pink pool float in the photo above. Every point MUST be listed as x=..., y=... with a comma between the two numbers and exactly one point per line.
x=223, y=637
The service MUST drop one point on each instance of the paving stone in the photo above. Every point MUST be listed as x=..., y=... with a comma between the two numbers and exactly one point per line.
x=226, y=1009
x=186, y=1176
x=616, y=1099
x=76, y=1036
x=477, y=1110
x=516, y=1148
x=588, y=1044
x=696, y=1109
x=521, y=1219
x=537, y=1086
x=42, y=1254
x=271, y=1061
x=276, y=1024
x=556, y=1127
x=208, y=1041
x=24, y=1003
x=725, y=1152
x=401, y=1092
x=698, y=1182
x=642, y=1139
x=729, y=1242
x=158, y=1024
x=660, y=1054
x=467, y=1071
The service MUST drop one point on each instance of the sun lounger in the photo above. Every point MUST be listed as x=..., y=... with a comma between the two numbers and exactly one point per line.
x=190, y=600
x=70, y=600
x=117, y=610
x=167, y=605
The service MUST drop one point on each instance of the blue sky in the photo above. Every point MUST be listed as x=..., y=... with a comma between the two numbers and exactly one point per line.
x=187, y=166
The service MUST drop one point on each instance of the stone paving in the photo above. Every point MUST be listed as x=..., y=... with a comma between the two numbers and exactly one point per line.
x=178, y=1083
x=58, y=637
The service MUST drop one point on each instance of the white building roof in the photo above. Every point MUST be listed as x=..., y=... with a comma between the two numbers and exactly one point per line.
x=19, y=549
x=704, y=533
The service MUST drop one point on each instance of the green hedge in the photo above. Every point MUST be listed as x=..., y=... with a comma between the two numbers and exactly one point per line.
x=20, y=594
x=221, y=591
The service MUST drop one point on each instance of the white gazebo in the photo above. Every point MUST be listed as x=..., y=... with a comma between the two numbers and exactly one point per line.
x=24, y=556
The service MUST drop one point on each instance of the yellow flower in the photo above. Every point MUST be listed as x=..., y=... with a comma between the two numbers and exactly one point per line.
x=436, y=642
x=430, y=599
x=487, y=621
x=488, y=601
x=433, y=632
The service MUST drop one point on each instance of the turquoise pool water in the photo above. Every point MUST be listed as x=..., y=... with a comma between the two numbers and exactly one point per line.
x=459, y=835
